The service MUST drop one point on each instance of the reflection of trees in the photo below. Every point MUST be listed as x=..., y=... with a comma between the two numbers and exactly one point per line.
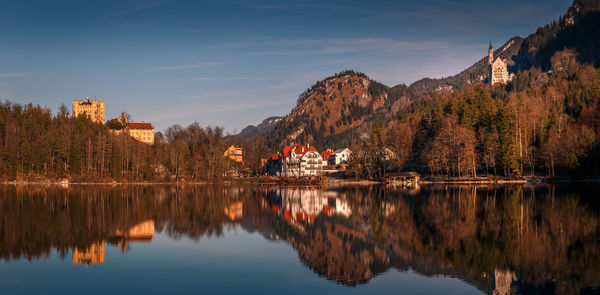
x=544, y=235
x=35, y=219
x=538, y=232
x=463, y=231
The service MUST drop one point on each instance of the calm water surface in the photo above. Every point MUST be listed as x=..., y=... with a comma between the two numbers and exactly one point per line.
x=370, y=240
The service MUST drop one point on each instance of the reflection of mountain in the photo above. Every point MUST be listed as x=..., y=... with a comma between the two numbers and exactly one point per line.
x=501, y=240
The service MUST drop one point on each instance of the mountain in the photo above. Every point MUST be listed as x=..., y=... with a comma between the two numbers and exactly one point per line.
x=338, y=109
x=261, y=129
x=339, y=104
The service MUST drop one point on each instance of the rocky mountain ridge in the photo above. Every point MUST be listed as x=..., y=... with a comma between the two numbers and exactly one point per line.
x=261, y=129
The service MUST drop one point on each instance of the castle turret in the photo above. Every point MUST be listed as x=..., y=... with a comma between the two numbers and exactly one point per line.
x=490, y=54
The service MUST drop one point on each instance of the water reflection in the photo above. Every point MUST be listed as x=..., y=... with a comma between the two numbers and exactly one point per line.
x=503, y=240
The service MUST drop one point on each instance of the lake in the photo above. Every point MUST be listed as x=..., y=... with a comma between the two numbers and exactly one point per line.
x=433, y=239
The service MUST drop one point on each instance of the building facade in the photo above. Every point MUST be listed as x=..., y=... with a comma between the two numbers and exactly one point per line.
x=296, y=160
x=143, y=131
x=497, y=71
x=234, y=153
x=92, y=108
x=311, y=163
x=341, y=156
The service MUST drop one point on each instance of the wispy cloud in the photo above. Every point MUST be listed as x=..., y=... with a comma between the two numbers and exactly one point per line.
x=11, y=75
x=341, y=46
x=131, y=10
x=184, y=67
x=200, y=79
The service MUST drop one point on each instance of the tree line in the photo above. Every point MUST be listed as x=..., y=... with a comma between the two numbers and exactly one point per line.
x=541, y=123
x=37, y=145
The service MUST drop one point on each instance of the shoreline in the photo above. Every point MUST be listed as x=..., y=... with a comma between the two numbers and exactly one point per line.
x=331, y=181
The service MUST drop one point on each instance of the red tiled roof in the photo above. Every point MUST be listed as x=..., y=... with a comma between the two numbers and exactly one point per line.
x=286, y=151
x=139, y=125
x=325, y=155
x=300, y=149
x=275, y=157
x=312, y=148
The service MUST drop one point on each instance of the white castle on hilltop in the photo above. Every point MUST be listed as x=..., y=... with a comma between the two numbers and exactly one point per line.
x=497, y=72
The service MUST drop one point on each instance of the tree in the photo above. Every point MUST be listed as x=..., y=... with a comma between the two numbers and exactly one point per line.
x=115, y=162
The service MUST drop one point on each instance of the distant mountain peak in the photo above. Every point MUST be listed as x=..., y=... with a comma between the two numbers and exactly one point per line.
x=261, y=129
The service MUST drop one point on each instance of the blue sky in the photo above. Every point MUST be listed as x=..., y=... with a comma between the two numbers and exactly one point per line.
x=232, y=63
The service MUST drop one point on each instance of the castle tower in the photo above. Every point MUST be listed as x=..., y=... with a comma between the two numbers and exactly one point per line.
x=490, y=54
x=93, y=109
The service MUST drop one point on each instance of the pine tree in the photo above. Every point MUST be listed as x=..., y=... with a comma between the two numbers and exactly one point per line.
x=75, y=156
x=115, y=162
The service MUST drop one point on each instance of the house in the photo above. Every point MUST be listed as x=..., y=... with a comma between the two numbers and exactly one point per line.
x=301, y=160
x=93, y=109
x=325, y=154
x=291, y=159
x=311, y=163
x=143, y=131
x=274, y=164
x=341, y=156
x=234, y=154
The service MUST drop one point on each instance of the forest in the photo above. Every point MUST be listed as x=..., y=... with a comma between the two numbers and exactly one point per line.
x=541, y=123
x=39, y=146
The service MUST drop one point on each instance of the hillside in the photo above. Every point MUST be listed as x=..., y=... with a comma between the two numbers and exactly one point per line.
x=262, y=129
x=338, y=105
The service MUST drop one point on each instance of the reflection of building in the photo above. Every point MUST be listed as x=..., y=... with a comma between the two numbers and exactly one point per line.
x=234, y=154
x=235, y=210
x=93, y=109
x=502, y=281
x=304, y=205
x=93, y=255
x=141, y=232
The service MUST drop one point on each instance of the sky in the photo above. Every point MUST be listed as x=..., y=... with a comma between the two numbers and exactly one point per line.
x=233, y=63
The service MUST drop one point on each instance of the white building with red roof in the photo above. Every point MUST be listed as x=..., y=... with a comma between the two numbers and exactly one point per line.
x=301, y=160
x=143, y=131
